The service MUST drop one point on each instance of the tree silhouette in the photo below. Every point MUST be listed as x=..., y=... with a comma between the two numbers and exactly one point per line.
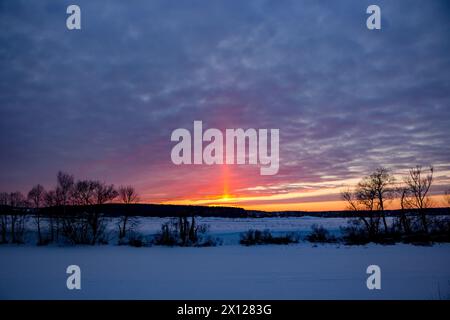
x=418, y=183
x=36, y=196
x=371, y=195
x=127, y=195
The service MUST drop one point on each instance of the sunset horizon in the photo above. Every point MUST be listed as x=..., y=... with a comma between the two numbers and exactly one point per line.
x=113, y=118
x=224, y=155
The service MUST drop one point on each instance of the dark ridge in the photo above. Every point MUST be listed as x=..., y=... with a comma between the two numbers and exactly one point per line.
x=167, y=210
x=362, y=213
x=153, y=210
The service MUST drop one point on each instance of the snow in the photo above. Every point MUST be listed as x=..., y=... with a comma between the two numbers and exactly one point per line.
x=299, y=271
x=224, y=225
x=229, y=229
x=230, y=271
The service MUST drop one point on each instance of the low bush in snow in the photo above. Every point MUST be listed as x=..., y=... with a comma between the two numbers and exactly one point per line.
x=84, y=228
x=257, y=237
x=182, y=232
x=133, y=239
x=320, y=235
x=355, y=234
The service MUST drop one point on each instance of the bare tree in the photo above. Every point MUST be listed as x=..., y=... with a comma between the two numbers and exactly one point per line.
x=51, y=199
x=355, y=203
x=103, y=193
x=378, y=187
x=127, y=195
x=371, y=195
x=4, y=220
x=64, y=187
x=17, y=203
x=88, y=226
x=36, y=197
x=83, y=193
x=348, y=196
x=64, y=190
x=418, y=183
x=75, y=225
x=404, y=195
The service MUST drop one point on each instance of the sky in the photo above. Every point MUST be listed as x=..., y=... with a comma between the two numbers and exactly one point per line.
x=102, y=102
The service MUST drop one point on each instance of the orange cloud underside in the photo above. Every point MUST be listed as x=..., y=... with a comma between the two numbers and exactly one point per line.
x=337, y=205
x=245, y=188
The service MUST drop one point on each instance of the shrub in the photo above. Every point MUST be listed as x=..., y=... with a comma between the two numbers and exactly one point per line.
x=133, y=239
x=137, y=241
x=320, y=234
x=167, y=236
x=84, y=228
x=354, y=233
x=440, y=229
x=182, y=232
x=257, y=237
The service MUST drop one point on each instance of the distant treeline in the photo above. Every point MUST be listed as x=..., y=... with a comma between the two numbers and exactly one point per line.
x=145, y=210
x=167, y=210
x=74, y=211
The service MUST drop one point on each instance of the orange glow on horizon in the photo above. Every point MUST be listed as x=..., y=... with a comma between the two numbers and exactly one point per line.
x=234, y=188
x=312, y=206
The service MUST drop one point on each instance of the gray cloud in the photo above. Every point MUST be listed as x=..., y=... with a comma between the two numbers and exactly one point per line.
x=102, y=101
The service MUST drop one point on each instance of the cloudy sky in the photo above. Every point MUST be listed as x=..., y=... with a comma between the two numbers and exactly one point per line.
x=102, y=102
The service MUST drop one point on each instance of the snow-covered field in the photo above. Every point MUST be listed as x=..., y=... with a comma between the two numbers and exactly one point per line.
x=229, y=230
x=231, y=271
x=225, y=225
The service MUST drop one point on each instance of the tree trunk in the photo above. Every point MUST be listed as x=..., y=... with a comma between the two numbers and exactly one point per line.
x=122, y=232
x=384, y=223
x=39, y=226
x=424, y=221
